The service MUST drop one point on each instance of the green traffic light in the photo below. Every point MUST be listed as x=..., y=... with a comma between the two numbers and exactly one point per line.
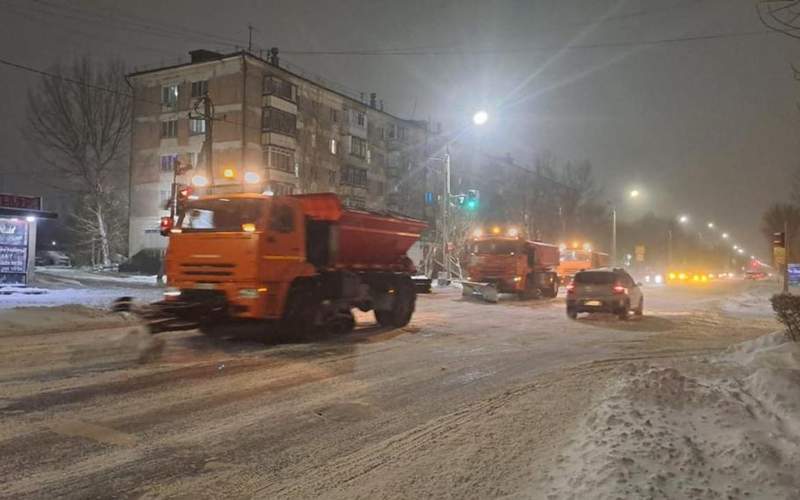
x=472, y=205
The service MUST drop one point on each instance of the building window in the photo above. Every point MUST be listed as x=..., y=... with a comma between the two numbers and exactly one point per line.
x=280, y=88
x=382, y=133
x=281, y=188
x=360, y=119
x=333, y=146
x=378, y=158
x=169, y=128
x=168, y=163
x=392, y=131
x=356, y=202
x=279, y=159
x=358, y=147
x=354, y=176
x=332, y=177
x=276, y=120
x=369, y=156
x=197, y=126
x=191, y=159
x=334, y=115
x=401, y=133
x=313, y=140
x=169, y=97
x=199, y=89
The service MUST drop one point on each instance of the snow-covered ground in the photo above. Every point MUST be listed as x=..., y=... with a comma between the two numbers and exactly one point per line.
x=724, y=426
x=70, y=286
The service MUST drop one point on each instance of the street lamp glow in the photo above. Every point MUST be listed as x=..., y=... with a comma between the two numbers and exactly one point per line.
x=711, y=225
x=736, y=247
x=741, y=250
x=480, y=118
x=635, y=193
x=683, y=219
x=725, y=236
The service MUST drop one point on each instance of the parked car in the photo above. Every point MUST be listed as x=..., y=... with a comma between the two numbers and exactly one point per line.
x=52, y=258
x=604, y=290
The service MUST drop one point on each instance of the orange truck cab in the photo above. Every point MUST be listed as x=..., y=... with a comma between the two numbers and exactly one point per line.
x=505, y=264
x=303, y=261
x=577, y=259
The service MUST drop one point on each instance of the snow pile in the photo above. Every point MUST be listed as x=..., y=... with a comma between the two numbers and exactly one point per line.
x=26, y=320
x=753, y=302
x=663, y=434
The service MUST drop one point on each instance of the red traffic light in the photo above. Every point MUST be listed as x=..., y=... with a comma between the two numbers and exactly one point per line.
x=184, y=192
x=166, y=225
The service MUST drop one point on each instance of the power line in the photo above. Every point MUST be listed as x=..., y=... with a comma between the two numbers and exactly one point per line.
x=100, y=88
x=509, y=50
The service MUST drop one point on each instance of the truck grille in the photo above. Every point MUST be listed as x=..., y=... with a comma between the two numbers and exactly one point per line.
x=208, y=269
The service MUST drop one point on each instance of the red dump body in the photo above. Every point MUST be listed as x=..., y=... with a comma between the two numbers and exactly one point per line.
x=366, y=240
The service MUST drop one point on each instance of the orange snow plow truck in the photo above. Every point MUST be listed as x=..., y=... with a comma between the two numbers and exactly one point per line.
x=507, y=264
x=298, y=263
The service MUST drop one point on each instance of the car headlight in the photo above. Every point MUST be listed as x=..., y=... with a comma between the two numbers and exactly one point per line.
x=659, y=279
x=172, y=292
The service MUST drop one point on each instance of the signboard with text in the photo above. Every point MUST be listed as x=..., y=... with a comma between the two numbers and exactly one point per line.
x=22, y=202
x=13, y=250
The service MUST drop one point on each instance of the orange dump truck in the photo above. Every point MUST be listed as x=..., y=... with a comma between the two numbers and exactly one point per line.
x=577, y=259
x=505, y=264
x=299, y=263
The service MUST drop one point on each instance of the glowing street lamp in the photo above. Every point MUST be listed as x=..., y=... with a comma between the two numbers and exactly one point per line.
x=683, y=219
x=634, y=193
x=725, y=236
x=711, y=225
x=736, y=247
x=480, y=118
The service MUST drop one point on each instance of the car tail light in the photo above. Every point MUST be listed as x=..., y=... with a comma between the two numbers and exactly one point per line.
x=620, y=289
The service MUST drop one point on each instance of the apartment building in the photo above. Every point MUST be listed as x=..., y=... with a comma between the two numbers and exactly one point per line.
x=273, y=130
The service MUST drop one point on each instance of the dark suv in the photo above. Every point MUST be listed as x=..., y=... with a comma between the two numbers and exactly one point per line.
x=604, y=290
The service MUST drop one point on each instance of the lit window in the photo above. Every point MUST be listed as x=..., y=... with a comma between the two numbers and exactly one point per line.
x=333, y=146
x=197, y=126
x=169, y=97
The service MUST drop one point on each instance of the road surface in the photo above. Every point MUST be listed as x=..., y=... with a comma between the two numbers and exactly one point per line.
x=470, y=400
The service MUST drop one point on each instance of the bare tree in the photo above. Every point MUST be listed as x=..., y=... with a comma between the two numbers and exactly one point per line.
x=79, y=124
x=773, y=222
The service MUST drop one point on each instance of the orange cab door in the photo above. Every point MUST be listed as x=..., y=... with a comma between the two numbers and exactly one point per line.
x=284, y=242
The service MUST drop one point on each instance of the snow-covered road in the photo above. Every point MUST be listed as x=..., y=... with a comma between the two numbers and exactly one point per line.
x=470, y=400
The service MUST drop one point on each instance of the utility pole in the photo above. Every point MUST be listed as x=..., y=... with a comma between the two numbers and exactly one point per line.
x=786, y=256
x=207, y=115
x=249, y=38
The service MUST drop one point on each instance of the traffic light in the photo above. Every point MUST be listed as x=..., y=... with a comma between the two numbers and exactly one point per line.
x=166, y=225
x=779, y=239
x=472, y=200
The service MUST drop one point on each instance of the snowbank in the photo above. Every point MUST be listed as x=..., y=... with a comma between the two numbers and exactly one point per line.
x=753, y=302
x=661, y=433
x=27, y=320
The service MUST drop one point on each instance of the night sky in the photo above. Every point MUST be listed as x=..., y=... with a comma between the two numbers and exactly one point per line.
x=706, y=127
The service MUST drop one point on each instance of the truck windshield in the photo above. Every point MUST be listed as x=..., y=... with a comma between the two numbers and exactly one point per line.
x=496, y=247
x=221, y=214
x=574, y=256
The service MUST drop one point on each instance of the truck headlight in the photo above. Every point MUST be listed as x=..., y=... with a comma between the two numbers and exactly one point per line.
x=172, y=292
x=517, y=279
x=248, y=293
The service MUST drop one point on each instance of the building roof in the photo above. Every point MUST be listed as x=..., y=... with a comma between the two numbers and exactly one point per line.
x=203, y=56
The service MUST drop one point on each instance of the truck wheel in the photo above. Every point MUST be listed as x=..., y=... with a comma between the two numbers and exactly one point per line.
x=551, y=291
x=572, y=313
x=403, y=307
x=301, y=313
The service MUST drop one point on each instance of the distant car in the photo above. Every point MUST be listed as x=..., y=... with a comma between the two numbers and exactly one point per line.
x=755, y=275
x=52, y=258
x=604, y=290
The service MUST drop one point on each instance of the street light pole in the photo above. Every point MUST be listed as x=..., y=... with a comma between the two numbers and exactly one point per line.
x=445, y=203
x=613, y=235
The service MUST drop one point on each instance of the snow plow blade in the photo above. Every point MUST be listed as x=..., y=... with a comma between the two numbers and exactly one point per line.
x=157, y=317
x=486, y=291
